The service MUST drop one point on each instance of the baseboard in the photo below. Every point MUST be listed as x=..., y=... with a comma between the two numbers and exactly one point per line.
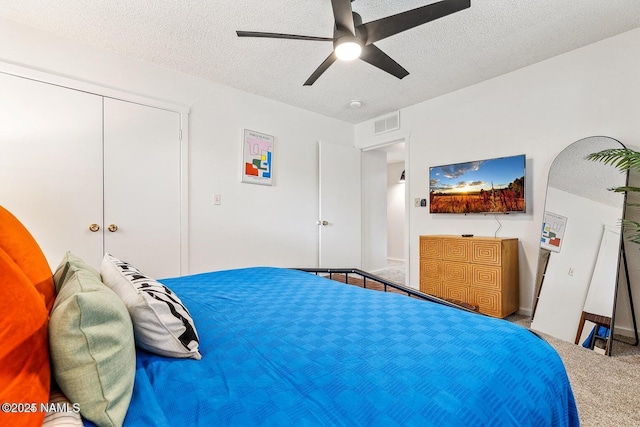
x=396, y=259
x=524, y=311
x=625, y=331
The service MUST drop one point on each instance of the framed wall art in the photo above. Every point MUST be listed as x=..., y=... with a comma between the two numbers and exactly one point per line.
x=553, y=231
x=257, y=157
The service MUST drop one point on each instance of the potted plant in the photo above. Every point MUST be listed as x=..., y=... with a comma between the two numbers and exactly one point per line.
x=623, y=159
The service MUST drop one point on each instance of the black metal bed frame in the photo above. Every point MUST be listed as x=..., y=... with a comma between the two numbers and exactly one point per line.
x=385, y=284
x=389, y=284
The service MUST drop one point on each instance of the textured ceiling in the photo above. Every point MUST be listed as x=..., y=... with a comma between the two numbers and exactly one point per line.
x=198, y=37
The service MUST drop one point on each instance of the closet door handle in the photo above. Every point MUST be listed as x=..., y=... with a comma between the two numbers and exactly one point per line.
x=112, y=228
x=94, y=227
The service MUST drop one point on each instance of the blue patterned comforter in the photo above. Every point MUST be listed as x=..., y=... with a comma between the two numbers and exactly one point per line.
x=287, y=348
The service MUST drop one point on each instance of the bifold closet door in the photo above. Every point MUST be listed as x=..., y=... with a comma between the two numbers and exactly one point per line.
x=142, y=186
x=51, y=165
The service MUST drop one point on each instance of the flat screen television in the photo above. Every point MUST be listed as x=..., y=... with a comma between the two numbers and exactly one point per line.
x=482, y=186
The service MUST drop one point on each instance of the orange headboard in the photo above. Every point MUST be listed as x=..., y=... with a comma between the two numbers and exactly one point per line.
x=23, y=249
x=27, y=294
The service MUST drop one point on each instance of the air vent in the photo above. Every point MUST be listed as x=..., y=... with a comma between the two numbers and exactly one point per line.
x=387, y=124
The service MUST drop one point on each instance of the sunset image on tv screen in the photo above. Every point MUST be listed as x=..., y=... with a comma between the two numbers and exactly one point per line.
x=483, y=186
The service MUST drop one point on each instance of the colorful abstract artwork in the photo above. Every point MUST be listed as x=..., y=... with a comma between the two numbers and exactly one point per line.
x=257, y=158
x=553, y=231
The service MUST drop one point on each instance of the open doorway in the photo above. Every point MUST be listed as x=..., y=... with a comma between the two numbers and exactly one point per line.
x=384, y=211
x=396, y=217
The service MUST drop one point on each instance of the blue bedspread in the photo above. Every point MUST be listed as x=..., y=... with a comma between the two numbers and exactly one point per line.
x=287, y=348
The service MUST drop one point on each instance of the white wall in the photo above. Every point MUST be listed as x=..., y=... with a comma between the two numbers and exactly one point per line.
x=374, y=200
x=538, y=110
x=254, y=225
x=395, y=211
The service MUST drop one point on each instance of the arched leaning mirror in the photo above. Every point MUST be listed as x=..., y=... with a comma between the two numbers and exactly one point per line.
x=579, y=256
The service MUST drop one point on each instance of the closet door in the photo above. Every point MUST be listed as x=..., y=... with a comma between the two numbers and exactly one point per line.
x=142, y=186
x=51, y=165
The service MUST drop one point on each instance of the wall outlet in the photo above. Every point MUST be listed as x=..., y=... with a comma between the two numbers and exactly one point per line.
x=217, y=199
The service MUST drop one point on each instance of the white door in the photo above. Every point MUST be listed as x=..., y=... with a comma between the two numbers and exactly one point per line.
x=51, y=164
x=142, y=186
x=340, y=206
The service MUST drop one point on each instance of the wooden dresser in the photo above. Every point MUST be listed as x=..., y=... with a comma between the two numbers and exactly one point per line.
x=482, y=271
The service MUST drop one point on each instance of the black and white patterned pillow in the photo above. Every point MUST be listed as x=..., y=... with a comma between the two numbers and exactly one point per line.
x=161, y=322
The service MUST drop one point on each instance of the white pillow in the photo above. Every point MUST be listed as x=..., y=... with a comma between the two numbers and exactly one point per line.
x=161, y=323
x=62, y=413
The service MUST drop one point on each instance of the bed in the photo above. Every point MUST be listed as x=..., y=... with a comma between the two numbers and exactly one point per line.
x=278, y=347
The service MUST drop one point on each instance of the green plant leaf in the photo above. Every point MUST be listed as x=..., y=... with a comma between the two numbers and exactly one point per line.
x=621, y=158
x=632, y=229
x=625, y=189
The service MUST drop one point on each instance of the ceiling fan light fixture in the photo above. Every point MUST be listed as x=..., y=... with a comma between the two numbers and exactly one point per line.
x=354, y=39
x=348, y=48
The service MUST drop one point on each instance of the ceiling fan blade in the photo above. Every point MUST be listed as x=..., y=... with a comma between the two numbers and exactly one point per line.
x=343, y=15
x=374, y=56
x=394, y=24
x=281, y=36
x=321, y=69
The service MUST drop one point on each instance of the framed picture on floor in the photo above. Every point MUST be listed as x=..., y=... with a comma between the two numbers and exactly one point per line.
x=257, y=157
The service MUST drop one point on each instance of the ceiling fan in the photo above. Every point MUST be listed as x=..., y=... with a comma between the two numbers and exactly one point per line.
x=352, y=39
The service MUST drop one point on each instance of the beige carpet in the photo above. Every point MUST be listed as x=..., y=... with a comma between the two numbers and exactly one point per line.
x=607, y=389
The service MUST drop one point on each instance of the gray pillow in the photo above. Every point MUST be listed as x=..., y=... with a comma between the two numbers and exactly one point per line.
x=92, y=347
x=62, y=270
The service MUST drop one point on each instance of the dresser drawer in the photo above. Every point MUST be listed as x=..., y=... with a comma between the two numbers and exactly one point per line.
x=431, y=269
x=457, y=273
x=432, y=287
x=486, y=276
x=485, y=252
x=489, y=302
x=431, y=247
x=455, y=249
x=456, y=292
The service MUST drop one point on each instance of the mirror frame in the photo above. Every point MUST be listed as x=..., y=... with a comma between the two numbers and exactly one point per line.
x=545, y=254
